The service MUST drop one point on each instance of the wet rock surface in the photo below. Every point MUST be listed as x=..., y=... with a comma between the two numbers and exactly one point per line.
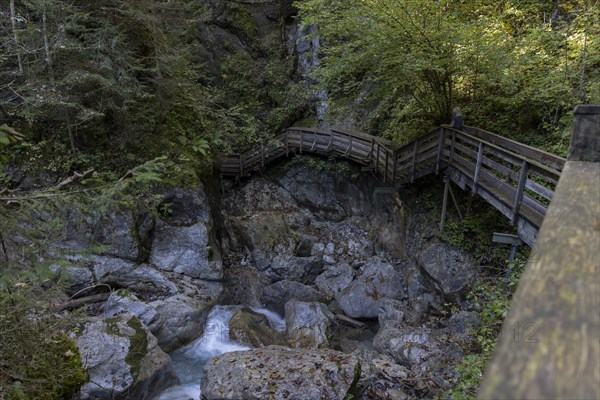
x=320, y=249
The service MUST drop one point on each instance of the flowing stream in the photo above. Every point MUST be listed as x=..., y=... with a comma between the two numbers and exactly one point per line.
x=189, y=360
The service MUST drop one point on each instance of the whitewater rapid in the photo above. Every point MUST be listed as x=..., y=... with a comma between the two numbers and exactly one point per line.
x=189, y=360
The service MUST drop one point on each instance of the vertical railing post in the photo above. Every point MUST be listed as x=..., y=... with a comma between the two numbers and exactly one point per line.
x=477, y=168
x=287, y=144
x=241, y=165
x=262, y=155
x=520, y=191
x=377, y=159
x=301, y=140
x=414, y=161
x=395, y=166
x=372, y=149
x=439, y=154
x=385, y=171
x=452, y=147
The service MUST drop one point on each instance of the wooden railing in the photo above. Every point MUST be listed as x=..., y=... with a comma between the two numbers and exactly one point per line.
x=550, y=342
x=516, y=179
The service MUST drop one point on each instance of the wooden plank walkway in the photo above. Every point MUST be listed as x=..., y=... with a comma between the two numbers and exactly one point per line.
x=516, y=179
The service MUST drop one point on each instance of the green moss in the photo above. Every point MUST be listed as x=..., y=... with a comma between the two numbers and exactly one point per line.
x=138, y=347
x=244, y=20
x=58, y=365
x=353, y=390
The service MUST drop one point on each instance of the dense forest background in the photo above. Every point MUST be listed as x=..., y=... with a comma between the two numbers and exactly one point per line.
x=158, y=89
x=85, y=81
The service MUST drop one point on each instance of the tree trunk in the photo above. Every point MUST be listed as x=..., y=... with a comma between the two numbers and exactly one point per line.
x=47, y=45
x=13, y=21
x=582, y=94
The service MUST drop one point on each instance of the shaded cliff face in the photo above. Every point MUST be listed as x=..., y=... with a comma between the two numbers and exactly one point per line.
x=257, y=60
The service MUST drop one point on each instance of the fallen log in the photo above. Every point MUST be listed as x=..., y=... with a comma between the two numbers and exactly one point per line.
x=76, y=177
x=350, y=321
x=73, y=304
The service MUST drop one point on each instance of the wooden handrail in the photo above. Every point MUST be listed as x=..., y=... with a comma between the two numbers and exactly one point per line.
x=549, y=347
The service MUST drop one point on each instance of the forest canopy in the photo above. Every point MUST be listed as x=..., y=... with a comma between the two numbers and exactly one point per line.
x=515, y=67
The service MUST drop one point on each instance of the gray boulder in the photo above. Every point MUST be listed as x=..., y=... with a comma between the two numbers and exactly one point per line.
x=300, y=269
x=78, y=278
x=123, y=360
x=186, y=250
x=125, y=302
x=275, y=296
x=335, y=279
x=390, y=310
x=121, y=273
x=308, y=324
x=449, y=270
x=328, y=195
x=408, y=346
x=377, y=280
x=124, y=234
x=174, y=321
x=462, y=322
x=117, y=233
x=183, y=319
x=276, y=372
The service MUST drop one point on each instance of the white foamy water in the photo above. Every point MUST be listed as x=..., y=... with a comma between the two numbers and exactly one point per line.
x=189, y=360
x=277, y=322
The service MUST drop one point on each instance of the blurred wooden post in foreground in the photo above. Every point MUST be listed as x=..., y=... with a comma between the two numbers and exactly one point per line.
x=550, y=342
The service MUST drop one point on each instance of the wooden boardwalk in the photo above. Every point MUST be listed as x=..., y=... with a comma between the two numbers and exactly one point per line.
x=516, y=179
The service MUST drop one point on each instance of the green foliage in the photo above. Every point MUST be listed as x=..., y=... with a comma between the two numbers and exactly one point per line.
x=344, y=168
x=38, y=359
x=516, y=68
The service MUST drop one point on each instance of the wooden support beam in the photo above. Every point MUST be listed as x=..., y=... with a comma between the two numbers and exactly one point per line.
x=460, y=217
x=301, y=140
x=520, y=190
x=477, y=168
x=262, y=155
x=444, y=202
x=452, y=147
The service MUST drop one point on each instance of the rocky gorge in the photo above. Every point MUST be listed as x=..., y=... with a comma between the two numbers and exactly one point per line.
x=299, y=284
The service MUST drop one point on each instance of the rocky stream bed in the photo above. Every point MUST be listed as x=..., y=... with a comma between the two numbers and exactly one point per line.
x=298, y=285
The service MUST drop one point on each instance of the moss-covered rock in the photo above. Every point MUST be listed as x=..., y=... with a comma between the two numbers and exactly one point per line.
x=122, y=359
